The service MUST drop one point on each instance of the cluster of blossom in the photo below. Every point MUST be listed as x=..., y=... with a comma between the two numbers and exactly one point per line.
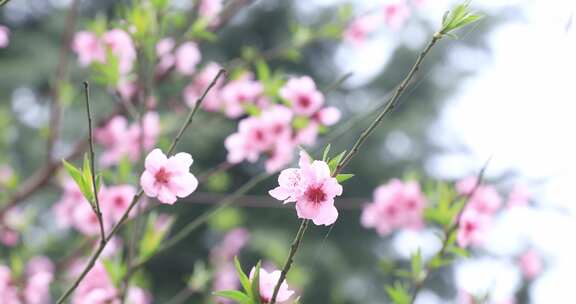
x=272, y=132
x=392, y=14
x=32, y=288
x=10, y=227
x=313, y=189
x=184, y=58
x=221, y=257
x=73, y=210
x=92, y=48
x=476, y=217
x=4, y=36
x=97, y=287
x=396, y=205
x=210, y=10
x=121, y=140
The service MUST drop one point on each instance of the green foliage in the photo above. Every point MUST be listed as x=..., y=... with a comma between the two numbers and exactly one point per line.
x=218, y=182
x=83, y=179
x=200, y=277
x=458, y=17
x=226, y=219
x=398, y=293
x=116, y=270
x=152, y=237
x=251, y=293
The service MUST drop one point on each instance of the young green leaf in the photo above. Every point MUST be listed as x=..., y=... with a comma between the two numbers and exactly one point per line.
x=234, y=295
x=335, y=161
x=398, y=294
x=342, y=177
x=256, y=285
x=244, y=281
x=458, y=17
x=326, y=151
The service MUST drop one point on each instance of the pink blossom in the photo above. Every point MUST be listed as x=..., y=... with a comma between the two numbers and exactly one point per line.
x=210, y=10
x=230, y=246
x=187, y=57
x=137, y=295
x=225, y=278
x=531, y=264
x=238, y=93
x=8, y=292
x=484, y=198
x=115, y=200
x=308, y=135
x=267, y=282
x=360, y=28
x=4, y=36
x=121, y=45
x=166, y=58
x=472, y=227
x=269, y=133
x=303, y=96
x=313, y=189
x=37, y=289
x=89, y=48
x=127, y=89
x=519, y=196
x=86, y=221
x=9, y=237
x=328, y=116
x=96, y=288
x=121, y=140
x=6, y=175
x=396, y=205
x=194, y=90
x=396, y=14
x=168, y=178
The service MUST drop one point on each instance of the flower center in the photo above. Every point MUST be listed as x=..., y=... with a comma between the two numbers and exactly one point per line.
x=119, y=201
x=304, y=101
x=315, y=194
x=162, y=176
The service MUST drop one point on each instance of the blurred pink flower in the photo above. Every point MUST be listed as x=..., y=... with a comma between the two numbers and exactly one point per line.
x=269, y=133
x=210, y=10
x=137, y=295
x=115, y=200
x=267, y=282
x=187, y=57
x=8, y=292
x=121, y=140
x=472, y=227
x=360, y=28
x=89, y=48
x=168, y=178
x=231, y=244
x=484, y=198
x=313, y=189
x=96, y=288
x=519, y=196
x=121, y=45
x=396, y=205
x=4, y=36
x=194, y=90
x=531, y=264
x=236, y=94
x=304, y=97
x=84, y=219
x=396, y=14
x=39, y=276
x=9, y=237
x=328, y=116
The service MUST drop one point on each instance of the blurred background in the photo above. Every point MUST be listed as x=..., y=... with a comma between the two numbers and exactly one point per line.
x=502, y=91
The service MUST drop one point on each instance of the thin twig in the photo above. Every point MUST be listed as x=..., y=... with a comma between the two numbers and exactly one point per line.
x=92, y=166
x=390, y=105
x=137, y=197
x=419, y=284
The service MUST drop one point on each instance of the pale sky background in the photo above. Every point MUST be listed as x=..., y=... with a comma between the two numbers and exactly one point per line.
x=519, y=108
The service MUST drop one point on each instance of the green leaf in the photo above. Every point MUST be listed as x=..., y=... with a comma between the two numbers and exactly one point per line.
x=416, y=264
x=234, y=295
x=78, y=177
x=457, y=18
x=459, y=251
x=333, y=163
x=256, y=284
x=262, y=71
x=325, y=153
x=244, y=281
x=116, y=270
x=300, y=122
x=152, y=237
x=342, y=177
x=398, y=294
x=252, y=109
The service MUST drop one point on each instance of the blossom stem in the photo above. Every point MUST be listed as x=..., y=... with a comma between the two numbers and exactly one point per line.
x=448, y=234
x=136, y=198
x=92, y=166
x=390, y=105
x=293, y=249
